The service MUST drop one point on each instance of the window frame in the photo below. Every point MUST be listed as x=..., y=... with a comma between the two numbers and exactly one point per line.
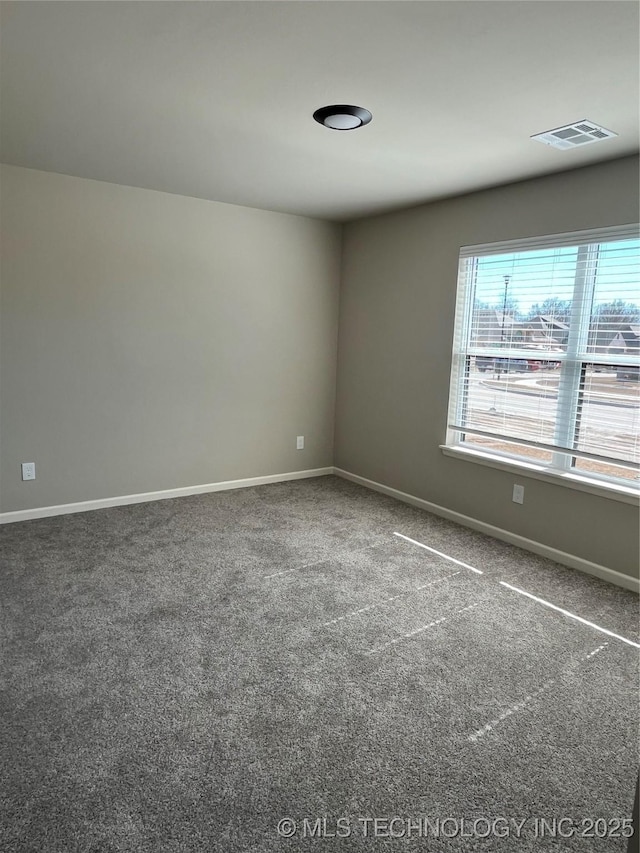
x=562, y=467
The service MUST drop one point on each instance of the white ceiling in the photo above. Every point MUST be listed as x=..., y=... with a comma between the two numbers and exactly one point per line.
x=214, y=99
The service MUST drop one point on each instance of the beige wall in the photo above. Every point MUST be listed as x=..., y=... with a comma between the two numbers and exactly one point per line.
x=396, y=327
x=151, y=341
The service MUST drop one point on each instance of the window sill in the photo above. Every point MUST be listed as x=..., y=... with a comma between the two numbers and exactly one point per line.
x=612, y=491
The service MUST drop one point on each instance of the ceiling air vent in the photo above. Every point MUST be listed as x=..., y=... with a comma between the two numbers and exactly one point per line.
x=573, y=135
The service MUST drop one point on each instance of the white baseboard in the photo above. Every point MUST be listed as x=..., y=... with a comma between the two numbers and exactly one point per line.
x=574, y=562
x=123, y=500
x=602, y=572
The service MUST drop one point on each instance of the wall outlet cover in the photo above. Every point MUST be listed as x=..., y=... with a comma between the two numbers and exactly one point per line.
x=28, y=470
x=518, y=494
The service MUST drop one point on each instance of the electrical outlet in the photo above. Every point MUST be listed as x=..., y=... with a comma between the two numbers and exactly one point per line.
x=518, y=494
x=28, y=470
x=300, y=442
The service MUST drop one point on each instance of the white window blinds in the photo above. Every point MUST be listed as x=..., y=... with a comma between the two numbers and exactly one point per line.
x=546, y=356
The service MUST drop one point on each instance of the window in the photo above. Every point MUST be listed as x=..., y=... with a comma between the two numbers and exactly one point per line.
x=546, y=357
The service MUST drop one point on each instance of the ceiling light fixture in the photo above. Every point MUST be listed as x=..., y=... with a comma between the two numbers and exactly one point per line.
x=342, y=117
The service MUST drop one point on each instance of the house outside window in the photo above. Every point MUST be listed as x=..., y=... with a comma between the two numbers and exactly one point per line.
x=546, y=356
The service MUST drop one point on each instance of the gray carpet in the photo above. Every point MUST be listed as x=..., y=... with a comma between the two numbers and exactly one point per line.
x=182, y=675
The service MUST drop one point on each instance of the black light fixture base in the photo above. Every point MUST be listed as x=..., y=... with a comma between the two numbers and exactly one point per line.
x=342, y=117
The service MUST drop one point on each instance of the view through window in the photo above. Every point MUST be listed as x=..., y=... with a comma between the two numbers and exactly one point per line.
x=546, y=360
